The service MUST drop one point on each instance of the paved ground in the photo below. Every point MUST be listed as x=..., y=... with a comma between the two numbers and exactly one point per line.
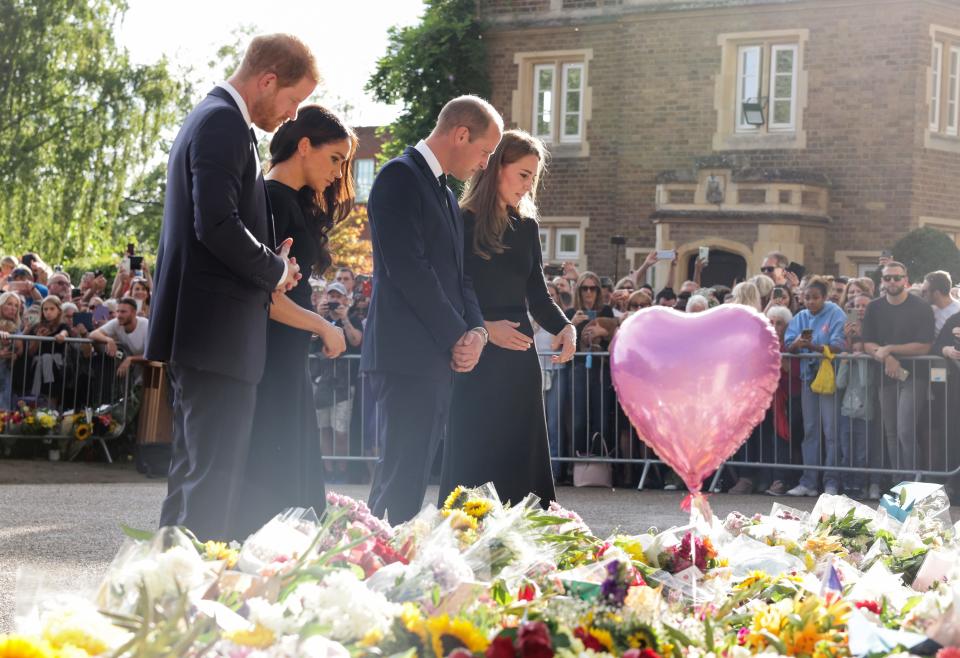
x=60, y=522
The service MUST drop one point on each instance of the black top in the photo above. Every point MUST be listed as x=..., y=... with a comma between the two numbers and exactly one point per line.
x=946, y=337
x=604, y=312
x=291, y=222
x=909, y=322
x=512, y=281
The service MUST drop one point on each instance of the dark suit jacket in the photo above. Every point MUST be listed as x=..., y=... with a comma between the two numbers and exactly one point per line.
x=215, y=266
x=422, y=301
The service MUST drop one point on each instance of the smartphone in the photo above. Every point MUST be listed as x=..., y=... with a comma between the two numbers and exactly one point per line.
x=366, y=288
x=83, y=318
x=806, y=334
x=592, y=315
x=853, y=316
x=779, y=292
x=553, y=270
x=136, y=265
x=101, y=315
x=333, y=306
x=131, y=249
x=797, y=269
x=704, y=255
x=666, y=254
x=75, y=292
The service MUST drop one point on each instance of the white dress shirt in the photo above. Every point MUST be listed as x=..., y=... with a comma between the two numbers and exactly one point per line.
x=431, y=159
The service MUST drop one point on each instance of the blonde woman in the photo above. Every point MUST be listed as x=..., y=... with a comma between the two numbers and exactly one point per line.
x=747, y=294
x=497, y=431
x=11, y=319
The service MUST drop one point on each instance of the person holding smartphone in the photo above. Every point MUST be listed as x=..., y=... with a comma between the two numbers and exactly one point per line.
x=818, y=326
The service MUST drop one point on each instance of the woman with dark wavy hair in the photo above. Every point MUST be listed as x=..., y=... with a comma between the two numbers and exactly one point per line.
x=498, y=431
x=310, y=187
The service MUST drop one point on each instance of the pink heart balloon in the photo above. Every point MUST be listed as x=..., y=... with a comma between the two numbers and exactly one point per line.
x=694, y=385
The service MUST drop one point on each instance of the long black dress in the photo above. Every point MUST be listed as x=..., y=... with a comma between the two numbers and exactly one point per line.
x=284, y=467
x=498, y=429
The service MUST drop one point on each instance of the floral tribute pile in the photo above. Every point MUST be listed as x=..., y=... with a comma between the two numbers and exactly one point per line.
x=30, y=420
x=483, y=580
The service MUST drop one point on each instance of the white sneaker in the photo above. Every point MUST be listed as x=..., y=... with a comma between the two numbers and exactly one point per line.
x=670, y=487
x=801, y=490
x=873, y=493
x=831, y=489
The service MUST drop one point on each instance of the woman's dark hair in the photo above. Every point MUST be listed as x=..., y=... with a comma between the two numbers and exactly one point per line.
x=139, y=280
x=328, y=207
x=819, y=284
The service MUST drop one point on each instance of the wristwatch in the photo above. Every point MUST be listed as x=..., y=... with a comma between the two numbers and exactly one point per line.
x=484, y=334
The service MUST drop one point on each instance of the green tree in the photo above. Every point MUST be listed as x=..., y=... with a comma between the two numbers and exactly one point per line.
x=925, y=250
x=428, y=64
x=80, y=128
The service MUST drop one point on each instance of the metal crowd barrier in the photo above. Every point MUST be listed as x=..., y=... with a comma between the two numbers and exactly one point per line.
x=586, y=424
x=69, y=378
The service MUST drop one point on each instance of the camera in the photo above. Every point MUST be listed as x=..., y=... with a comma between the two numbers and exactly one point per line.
x=333, y=306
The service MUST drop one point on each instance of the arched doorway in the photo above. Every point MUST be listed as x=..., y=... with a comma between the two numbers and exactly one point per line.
x=724, y=268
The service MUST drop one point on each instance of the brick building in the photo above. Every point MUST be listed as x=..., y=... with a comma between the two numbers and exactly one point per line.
x=823, y=128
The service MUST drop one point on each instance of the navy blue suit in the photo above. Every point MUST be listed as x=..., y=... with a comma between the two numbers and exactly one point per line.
x=215, y=270
x=422, y=304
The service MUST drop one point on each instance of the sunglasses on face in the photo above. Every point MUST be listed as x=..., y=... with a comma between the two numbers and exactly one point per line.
x=768, y=269
x=590, y=288
x=893, y=277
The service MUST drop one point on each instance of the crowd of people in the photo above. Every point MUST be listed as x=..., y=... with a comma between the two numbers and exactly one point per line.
x=886, y=410
x=885, y=413
x=37, y=300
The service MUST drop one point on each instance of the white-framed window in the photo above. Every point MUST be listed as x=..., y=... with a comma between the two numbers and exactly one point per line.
x=544, y=78
x=936, y=73
x=571, y=110
x=545, y=243
x=783, y=87
x=568, y=244
x=953, y=91
x=558, y=101
x=749, y=60
x=363, y=172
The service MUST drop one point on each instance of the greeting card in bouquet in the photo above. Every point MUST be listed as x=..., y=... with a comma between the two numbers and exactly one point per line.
x=938, y=566
x=926, y=500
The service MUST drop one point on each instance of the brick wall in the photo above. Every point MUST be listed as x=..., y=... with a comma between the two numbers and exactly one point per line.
x=653, y=79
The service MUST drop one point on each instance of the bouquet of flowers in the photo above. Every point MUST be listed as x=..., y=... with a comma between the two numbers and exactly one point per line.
x=30, y=420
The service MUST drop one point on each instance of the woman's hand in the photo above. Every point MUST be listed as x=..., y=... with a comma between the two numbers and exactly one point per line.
x=851, y=329
x=60, y=337
x=334, y=342
x=594, y=333
x=950, y=352
x=504, y=334
x=799, y=344
x=566, y=343
x=579, y=318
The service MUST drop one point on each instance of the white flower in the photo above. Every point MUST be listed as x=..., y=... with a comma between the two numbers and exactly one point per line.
x=161, y=574
x=907, y=543
x=271, y=616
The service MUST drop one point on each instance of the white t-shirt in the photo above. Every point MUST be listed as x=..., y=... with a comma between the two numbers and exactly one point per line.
x=133, y=343
x=941, y=315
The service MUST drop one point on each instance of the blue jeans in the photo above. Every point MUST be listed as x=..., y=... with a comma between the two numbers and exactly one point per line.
x=6, y=386
x=853, y=443
x=819, y=422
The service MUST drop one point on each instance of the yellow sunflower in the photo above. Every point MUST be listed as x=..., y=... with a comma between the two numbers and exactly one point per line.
x=19, y=646
x=459, y=520
x=218, y=550
x=412, y=619
x=603, y=637
x=455, y=498
x=642, y=638
x=752, y=578
x=447, y=634
x=478, y=509
x=82, y=431
x=257, y=638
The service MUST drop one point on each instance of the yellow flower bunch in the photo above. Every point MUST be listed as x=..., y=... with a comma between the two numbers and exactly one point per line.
x=447, y=634
x=808, y=627
x=258, y=637
x=752, y=578
x=47, y=421
x=218, y=550
x=456, y=498
x=20, y=646
x=822, y=544
x=460, y=520
x=69, y=630
x=603, y=637
x=478, y=508
x=412, y=620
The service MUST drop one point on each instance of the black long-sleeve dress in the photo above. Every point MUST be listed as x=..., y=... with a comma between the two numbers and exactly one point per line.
x=498, y=431
x=284, y=467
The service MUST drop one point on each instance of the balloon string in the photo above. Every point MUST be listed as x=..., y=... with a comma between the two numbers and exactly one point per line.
x=693, y=545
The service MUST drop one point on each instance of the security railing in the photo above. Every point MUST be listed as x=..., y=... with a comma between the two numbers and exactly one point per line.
x=61, y=389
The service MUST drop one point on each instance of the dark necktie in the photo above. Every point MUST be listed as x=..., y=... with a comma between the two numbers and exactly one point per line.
x=443, y=182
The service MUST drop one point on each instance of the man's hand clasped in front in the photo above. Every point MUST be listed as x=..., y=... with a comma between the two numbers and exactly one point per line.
x=293, y=270
x=466, y=353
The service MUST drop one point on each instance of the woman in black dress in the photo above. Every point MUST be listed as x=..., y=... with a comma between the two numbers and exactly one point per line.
x=498, y=431
x=310, y=188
